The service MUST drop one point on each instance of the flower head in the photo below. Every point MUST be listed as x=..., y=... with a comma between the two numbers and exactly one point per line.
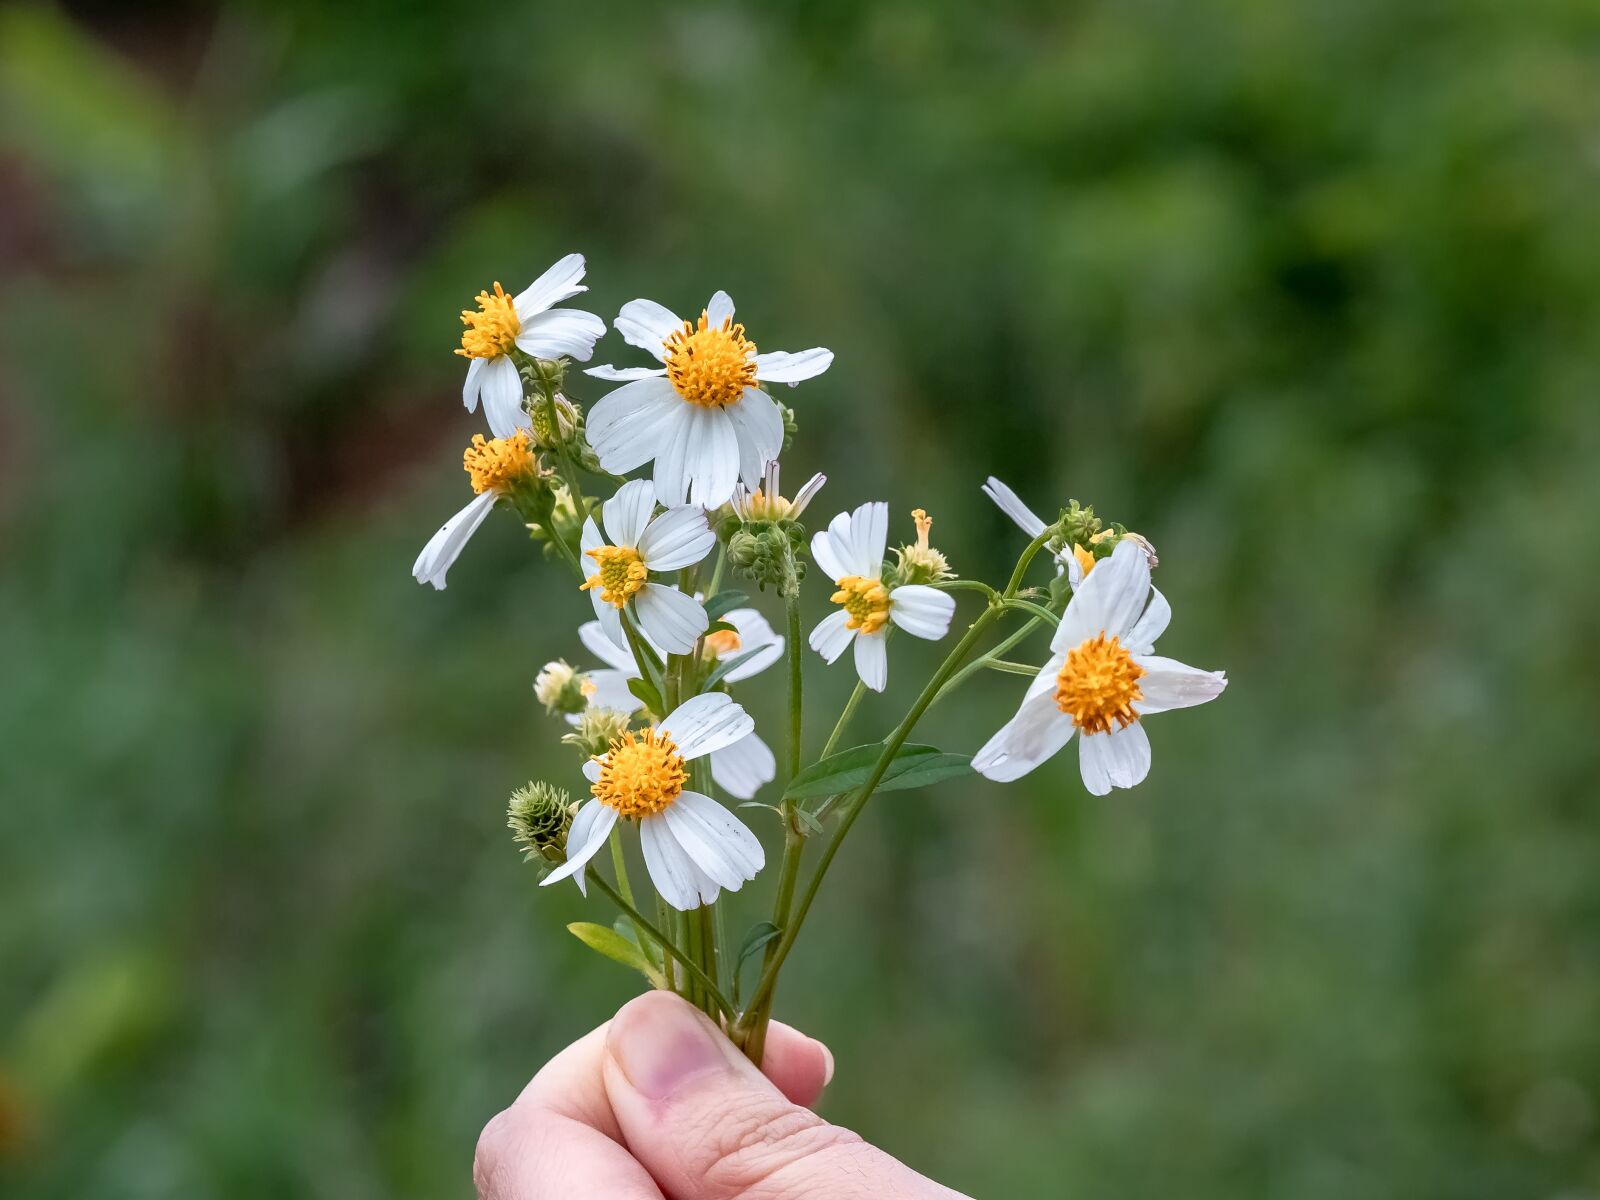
x=765, y=503
x=693, y=847
x=642, y=542
x=1102, y=679
x=920, y=562
x=1078, y=541
x=498, y=468
x=851, y=551
x=561, y=688
x=528, y=322
x=702, y=416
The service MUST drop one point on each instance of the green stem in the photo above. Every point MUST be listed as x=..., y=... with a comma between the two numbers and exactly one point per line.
x=666, y=944
x=978, y=664
x=716, y=572
x=1028, y=606
x=619, y=865
x=1010, y=668
x=785, y=941
x=844, y=719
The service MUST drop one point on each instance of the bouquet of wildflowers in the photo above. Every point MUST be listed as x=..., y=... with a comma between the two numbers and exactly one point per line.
x=657, y=731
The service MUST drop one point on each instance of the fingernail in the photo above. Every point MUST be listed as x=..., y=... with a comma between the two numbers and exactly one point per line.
x=827, y=1058
x=660, y=1042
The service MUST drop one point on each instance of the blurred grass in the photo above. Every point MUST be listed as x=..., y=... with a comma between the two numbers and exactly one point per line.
x=1307, y=294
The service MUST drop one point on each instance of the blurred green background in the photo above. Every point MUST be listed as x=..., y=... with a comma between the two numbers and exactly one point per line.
x=1307, y=293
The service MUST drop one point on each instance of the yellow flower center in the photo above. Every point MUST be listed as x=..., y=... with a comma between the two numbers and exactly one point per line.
x=723, y=641
x=1086, y=558
x=641, y=775
x=499, y=464
x=1098, y=684
x=492, y=330
x=622, y=573
x=711, y=365
x=866, y=600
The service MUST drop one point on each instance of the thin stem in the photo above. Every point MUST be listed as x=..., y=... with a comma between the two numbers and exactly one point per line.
x=1028, y=606
x=619, y=865
x=786, y=939
x=978, y=664
x=844, y=719
x=791, y=606
x=1010, y=668
x=716, y=573
x=662, y=940
x=669, y=966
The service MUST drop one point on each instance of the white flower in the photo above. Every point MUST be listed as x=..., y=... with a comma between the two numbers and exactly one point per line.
x=700, y=416
x=851, y=550
x=1076, y=561
x=1103, y=677
x=529, y=322
x=693, y=847
x=740, y=769
x=766, y=504
x=641, y=543
x=497, y=468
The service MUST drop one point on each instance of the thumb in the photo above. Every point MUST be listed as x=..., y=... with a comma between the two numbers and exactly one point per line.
x=708, y=1125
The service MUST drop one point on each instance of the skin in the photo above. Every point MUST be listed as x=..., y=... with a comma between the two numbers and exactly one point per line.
x=657, y=1104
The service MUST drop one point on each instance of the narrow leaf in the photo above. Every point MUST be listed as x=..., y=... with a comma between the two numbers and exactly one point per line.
x=725, y=665
x=647, y=694
x=724, y=602
x=758, y=937
x=614, y=946
x=912, y=767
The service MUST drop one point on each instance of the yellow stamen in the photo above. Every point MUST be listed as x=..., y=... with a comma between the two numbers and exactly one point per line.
x=622, y=573
x=641, y=775
x=924, y=524
x=1098, y=684
x=499, y=464
x=1086, y=558
x=722, y=642
x=866, y=600
x=711, y=365
x=492, y=330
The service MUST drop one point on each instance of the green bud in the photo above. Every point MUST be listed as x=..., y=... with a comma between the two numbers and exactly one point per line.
x=1076, y=526
x=539, y=817
x=562, y=689
x=768, y=552
x=596, y=729
x=546, y=436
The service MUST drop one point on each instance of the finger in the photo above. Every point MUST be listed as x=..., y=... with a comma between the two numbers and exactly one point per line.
x=534, y=1154
x=709, y=1126
x=570, y=1084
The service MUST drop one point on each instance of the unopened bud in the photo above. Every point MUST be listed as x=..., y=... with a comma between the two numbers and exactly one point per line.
x=561, y=688
x=596, y=729
x=539, y=817
x=548, y=436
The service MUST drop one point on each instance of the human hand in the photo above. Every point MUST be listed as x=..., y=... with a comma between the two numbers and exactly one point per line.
x=657, y=1103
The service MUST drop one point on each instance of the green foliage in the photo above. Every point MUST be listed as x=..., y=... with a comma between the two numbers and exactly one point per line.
x=913, y=766
x=1305, y=293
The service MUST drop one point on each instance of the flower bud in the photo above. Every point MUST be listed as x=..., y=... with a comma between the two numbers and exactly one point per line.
x=596, y=729
x=561, y=688
x=546, y=436
x=768, y=552
x=539, y=817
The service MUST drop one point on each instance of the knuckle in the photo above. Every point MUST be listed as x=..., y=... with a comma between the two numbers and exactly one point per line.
x=747, y=1151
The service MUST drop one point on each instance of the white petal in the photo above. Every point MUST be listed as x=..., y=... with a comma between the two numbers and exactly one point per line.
x=1011, y=504
x=591, y=768
x=672, y=871
x=502, y=397
x=712, y=457
x=869, y=537
x=611, y=690
x=741, y=769
x=626, y=426
x=1110, y=600
x=609, y=618
x=1119, y=759
x=831, y=637
x=647, y=325
x=719, y=309
x=872, y=660
x=679, y=537
x=597, y=643
x=827, y=552
x=628, y=512
x=590, y=829
x=444, y=547
x=1031, y=737
x=1169, y=684
x=779, y=366
x=756, y=638
x=759, y=427
x=1142, y=637
x=671, y=619
x=607, y=371
x=718, y=841
x=563, y=331
x=922, y=611
x=561, y=282
x=589, y=539
x=474, y=384
x=673, y=443
x=706, y=723
x=803, y=497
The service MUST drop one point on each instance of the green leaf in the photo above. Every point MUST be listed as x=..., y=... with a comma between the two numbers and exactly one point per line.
x=913, y=767
x=759, y=935
x=647, y=694
x=625, y=928
x=724, y=602
x=718, y=627
x=725, y=665
x=615, y=947
x=808, y=821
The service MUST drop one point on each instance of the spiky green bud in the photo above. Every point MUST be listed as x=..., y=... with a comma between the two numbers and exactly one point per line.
x=596, y=729
x=539, y=817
